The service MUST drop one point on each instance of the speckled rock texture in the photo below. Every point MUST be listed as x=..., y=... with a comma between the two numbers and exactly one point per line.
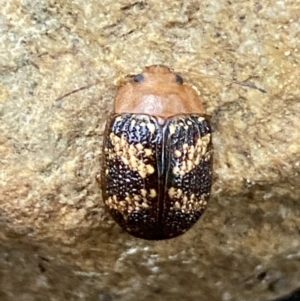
x=56, y=240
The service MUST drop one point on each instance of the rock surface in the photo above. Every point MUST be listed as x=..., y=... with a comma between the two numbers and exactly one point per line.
x=57, y=242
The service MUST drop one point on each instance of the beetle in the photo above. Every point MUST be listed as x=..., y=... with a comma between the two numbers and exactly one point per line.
x=156, y=170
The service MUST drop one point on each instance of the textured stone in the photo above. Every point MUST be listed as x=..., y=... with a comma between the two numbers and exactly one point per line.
x=246, y=245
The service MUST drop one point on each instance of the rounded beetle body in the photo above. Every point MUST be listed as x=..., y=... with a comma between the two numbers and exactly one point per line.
x=157, y=156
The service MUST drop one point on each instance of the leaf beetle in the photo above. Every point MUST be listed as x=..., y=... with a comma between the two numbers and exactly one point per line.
x=157, y=156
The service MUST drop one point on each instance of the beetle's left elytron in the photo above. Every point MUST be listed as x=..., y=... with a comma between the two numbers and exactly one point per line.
x=157, y=156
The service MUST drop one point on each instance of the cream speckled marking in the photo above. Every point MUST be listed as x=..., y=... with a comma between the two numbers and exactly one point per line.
x=172, y=128
x=129, y=155
x=177, y=153
x=119, y=118
x=143, y=192
x=191, y=156
x=208, y=155
x=186, y=203
x=151, y=128
x=152, y=193
x=131, y=202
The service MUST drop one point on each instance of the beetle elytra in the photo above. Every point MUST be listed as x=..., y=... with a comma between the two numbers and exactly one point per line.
x=157, y=156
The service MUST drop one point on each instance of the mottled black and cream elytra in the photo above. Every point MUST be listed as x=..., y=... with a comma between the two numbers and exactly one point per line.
x=157, y=156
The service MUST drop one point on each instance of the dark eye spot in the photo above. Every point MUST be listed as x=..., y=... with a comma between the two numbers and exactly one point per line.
x=179, y=79
x=138, y=78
